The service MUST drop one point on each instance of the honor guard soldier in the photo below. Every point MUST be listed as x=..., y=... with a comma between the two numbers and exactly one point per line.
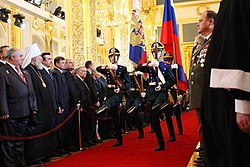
x=174, y=106
x=119, y=86
x=161, y=78
x=137, y=94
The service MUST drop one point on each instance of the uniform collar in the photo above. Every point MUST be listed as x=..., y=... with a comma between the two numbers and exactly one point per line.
x=209, y=35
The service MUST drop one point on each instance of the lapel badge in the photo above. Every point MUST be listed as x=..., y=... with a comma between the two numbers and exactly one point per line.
x=7, y=72
x=25, y=72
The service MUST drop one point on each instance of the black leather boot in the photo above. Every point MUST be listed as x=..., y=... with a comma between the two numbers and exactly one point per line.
x=118, y=143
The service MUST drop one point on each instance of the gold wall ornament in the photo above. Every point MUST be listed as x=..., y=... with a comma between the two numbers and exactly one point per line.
x=3, y=34
x=186, y=55
x=93, y=34
x=77, y=14
x=15, y=32
x=48, y=36
x=113, y=18
x=35, y=23
x=202, y=7
x=49, y=30
x=146, y=6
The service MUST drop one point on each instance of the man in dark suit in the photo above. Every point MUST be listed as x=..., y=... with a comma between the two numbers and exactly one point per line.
x=119, y=86
x=73, y=101
x=91, y=82
x=17, y=103
x=196, y=75
x=86, y=103
x=63, y=101
x=51, y=86
x=3, y=52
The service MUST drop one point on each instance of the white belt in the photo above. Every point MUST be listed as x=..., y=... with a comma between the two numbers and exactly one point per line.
x=111, y=86
x=154, y=83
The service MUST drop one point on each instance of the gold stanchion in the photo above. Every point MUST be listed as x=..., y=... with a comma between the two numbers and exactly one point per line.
x=97, y=133
x=79, y=127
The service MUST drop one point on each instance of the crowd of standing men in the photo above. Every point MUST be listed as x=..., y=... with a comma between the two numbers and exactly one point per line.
x=35, y=99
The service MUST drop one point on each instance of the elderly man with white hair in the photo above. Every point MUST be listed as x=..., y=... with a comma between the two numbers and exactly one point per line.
x=17, y=103
x=38, y=150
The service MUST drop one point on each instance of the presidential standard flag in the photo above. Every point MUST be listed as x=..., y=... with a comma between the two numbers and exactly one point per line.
x=137, y=51
x=170, y=40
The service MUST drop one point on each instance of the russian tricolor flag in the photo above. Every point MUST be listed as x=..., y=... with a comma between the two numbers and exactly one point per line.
x=169, y=37
x=137, y=51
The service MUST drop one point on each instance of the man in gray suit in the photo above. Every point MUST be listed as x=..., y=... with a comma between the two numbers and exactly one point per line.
x=17, y=103
x=205, y=28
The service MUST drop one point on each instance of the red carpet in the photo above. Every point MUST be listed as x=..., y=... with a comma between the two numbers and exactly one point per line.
x=136, y=152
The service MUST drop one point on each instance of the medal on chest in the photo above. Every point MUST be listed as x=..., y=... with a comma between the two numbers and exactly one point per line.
x=44, y=84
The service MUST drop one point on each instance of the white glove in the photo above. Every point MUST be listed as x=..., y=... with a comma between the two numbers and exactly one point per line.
x=97, y=104
x=156, y=63
x=117, y=90
x=78, y=105
x=174, y=66
x=150, y=64
x=138, y=73
x=124, y=103
x=113, y=67
x=158, y=88
x=143, y=94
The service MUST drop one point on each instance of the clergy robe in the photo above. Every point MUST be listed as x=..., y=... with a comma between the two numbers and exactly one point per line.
x=39, y=148
x=226, y=86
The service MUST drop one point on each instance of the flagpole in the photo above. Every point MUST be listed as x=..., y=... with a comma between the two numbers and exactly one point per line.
x=176, y=70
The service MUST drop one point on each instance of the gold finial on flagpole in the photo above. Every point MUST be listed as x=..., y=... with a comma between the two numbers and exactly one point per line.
x=156, y=35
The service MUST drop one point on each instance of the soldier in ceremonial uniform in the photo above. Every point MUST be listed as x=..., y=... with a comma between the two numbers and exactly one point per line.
x=137, y=93
x=119, y=86
x=174, y=107
x=161, y=78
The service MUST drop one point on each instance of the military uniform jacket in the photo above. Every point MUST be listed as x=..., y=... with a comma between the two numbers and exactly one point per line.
x=196, y=73
x=134, y=87
x=153, y=74
x=121, y=73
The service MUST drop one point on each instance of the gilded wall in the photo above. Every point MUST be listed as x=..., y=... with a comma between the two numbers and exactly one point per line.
x=76, y=36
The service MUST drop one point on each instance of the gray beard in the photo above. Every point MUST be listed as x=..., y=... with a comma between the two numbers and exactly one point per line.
x=39, y=66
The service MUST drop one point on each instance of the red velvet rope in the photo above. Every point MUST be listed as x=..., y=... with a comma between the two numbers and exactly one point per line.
x=104, y=119
x=15, y=138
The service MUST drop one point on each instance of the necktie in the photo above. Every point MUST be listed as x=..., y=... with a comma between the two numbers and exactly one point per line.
x=51, y=75
x=19, y=72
